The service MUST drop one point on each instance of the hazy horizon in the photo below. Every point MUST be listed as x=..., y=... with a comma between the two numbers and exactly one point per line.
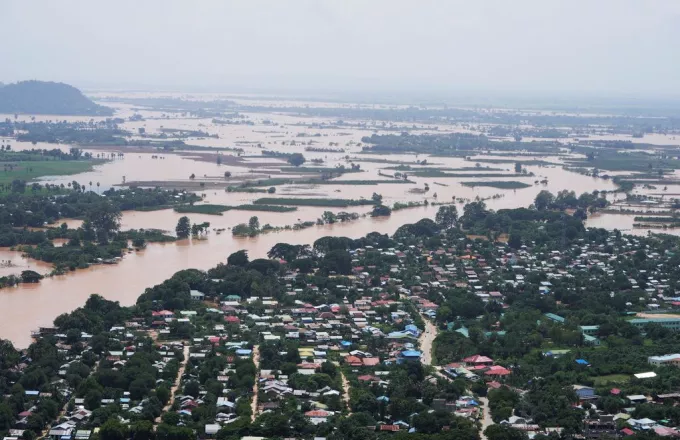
x=525, y=48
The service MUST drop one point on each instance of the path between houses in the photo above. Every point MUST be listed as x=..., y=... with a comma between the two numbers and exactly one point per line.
x=175, y=386
x=62, y=412
x=345, y=392
x=486, y=420
x=426, y=340
x=256, y=361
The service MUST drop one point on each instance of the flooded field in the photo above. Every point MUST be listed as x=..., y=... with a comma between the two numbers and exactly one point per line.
x=29, y=306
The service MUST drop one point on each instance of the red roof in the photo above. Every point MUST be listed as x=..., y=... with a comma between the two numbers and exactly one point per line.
x=478, y=359
x=493, y=384
x=497, y=370
x=392, y=428
x=367, y=378
x=317, y=413
x=615, y=391
x=371, y=362
x=627, y=431
x=307, y=365
x=232, y=319
x=353, y=360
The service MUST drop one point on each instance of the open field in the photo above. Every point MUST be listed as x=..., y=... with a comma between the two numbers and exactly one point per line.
x=31, y=170
x=611, y=379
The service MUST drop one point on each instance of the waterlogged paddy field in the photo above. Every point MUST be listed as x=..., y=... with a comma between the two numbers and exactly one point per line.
x=27, y=307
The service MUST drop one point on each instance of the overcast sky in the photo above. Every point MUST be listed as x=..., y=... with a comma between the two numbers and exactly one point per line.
x=604, y=47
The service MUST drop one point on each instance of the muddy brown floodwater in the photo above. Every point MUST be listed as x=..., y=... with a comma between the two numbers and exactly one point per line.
x=29, y=306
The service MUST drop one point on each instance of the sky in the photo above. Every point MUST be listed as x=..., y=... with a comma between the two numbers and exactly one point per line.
x=560, y=47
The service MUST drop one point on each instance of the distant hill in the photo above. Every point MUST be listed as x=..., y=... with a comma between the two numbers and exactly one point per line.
x=48, y=98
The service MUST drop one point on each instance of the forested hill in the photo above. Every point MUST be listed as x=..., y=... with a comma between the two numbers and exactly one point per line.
x=39, y=97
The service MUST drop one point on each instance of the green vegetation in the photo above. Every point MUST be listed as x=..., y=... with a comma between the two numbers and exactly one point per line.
x=666, y=219
x=609, y=156
x=35, y=169
x=381, y=211
x=501, y=184
x=336, y=203
x=401, y=205
x=611, y=379
x=251, y=229
x=586, y=202
x=28, y=165
x=202, y=209
x=46, y=204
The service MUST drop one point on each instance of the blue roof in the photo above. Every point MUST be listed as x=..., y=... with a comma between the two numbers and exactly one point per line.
x=32, y=393
x=555, y=317
x=411, y=353
x=383, y=398
x=243, y=351
x=345, y=343
x=581, y=361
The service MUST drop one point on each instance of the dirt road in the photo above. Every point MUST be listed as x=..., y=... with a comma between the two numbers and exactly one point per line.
x=426, y=340
x=175, y=386
x=345, y=391
x=486, y=420
x=256, y=361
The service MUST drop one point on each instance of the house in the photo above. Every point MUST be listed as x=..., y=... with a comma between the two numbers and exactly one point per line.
x=497, y=370
x=641, y=423
x=409, y=356
x=318, y=416
x=478, y=360
x=646, y=375
x=555, y=318
x=637, y=398
x=62, y=430
x=225, y=405
x=211, y=429
x=669, y=323
x=197, y=295
x=584, y=392
x=230, y=319
x=83, y=434
x=667, y=359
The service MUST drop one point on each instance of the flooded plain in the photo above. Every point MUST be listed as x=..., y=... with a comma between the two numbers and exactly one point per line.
x=30, y=306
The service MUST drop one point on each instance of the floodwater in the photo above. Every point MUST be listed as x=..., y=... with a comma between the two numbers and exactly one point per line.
x=28, y=307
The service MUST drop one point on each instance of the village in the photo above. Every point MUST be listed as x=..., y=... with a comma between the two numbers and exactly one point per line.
x=429, y=332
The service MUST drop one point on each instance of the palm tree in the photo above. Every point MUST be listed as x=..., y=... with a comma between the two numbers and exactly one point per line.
x=98, y=187
x=90, y=186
